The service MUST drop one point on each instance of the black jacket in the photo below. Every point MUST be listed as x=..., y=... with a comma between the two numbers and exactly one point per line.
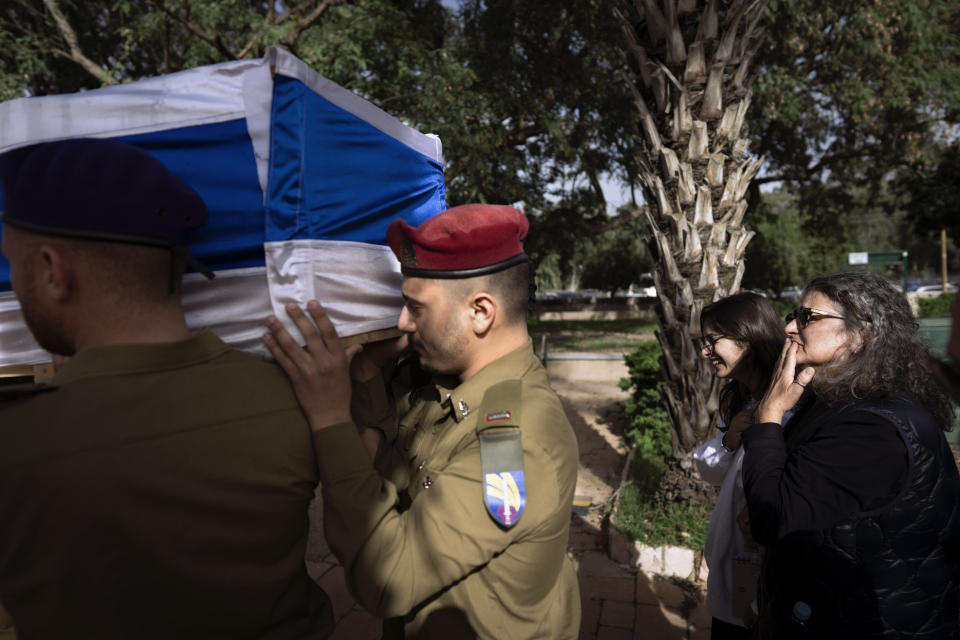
x=860, y=508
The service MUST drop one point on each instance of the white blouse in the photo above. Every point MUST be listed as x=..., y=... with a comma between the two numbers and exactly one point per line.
x=734, y=563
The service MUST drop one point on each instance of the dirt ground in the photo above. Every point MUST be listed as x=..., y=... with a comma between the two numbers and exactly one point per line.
x=593, y=404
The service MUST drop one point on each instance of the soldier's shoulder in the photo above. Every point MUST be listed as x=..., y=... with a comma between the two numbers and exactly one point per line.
x=503, y=402
x=531, y=403
x=241, y=371
x=246, y=363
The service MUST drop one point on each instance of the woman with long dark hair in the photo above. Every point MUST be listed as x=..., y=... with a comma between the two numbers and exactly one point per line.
x=742, y=337
x=858, y=499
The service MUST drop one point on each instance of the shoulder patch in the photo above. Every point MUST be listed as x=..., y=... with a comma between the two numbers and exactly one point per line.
x=501, y=453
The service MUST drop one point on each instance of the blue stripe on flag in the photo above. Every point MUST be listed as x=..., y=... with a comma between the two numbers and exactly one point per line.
x=217, y=161
x=334, y=176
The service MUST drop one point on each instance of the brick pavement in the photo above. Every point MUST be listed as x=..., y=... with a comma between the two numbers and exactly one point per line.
x=619, y=603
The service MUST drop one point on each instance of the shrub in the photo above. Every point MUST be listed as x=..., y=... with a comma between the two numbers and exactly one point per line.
x=648, y=426
x=938, y=307
x=783, y=307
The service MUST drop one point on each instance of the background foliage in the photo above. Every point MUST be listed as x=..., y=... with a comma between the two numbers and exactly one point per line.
x=937, y=307
x=857, y=107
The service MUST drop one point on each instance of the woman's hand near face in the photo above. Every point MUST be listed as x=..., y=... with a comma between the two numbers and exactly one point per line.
x=786, y=387
x=739, y=423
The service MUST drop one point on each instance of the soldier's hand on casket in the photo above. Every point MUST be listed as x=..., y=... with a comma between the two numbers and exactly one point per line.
x=375, y=356
x=319, y=371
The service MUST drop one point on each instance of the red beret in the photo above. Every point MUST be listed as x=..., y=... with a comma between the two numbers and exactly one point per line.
x=462, y=242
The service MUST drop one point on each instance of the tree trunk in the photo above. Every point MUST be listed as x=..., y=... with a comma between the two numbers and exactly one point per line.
x=687, y=64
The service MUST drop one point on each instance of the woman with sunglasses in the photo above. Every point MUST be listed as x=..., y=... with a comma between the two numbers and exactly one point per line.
x=742, y=337
x=858, y=499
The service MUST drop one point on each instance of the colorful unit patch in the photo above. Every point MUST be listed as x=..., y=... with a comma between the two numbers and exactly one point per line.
x=506, y=496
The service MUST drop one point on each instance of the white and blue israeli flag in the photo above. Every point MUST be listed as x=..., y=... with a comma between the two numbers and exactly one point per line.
x=300, y=176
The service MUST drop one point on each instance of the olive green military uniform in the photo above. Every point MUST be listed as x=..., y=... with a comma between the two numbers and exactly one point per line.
x=7, y=631
x=158, y=491
x=416, y=539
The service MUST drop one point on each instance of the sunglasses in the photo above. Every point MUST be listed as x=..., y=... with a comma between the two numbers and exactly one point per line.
x=708, y=341
x=806, y=315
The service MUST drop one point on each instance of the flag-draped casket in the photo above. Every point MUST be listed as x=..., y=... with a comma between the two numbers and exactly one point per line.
x=300, y=176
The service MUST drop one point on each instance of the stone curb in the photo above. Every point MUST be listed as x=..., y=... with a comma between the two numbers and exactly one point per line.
x=665, y=560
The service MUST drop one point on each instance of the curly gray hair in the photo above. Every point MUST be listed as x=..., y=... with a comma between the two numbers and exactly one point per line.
x=890, y=358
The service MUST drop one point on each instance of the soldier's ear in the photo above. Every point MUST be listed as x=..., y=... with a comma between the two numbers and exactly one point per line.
x=55, y=275
x=483, y=312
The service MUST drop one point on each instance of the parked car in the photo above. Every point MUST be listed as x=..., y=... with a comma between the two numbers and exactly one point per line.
x=934, y=290
x=791, y=293
x=643, y=289
x=642, y=292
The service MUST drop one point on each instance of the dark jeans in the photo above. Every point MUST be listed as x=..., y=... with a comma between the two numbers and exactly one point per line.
x=720, y=630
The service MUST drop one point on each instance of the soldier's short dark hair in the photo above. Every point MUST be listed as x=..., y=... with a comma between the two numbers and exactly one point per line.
x=511, y=288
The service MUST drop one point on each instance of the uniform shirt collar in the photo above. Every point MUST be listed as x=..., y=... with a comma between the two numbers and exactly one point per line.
x=463, y=400
x=136, y=358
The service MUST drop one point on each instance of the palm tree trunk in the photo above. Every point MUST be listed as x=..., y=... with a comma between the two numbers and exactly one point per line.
x=688, y=66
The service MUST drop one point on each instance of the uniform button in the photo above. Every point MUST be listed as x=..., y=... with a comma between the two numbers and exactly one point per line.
x=427, y=482
x=421, y=465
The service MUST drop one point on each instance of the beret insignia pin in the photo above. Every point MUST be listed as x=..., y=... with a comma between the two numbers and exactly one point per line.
x=407, y=255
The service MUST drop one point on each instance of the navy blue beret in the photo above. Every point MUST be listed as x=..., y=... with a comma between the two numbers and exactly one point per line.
x=99, y=189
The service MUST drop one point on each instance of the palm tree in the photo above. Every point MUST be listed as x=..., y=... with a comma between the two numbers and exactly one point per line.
x=688, y=66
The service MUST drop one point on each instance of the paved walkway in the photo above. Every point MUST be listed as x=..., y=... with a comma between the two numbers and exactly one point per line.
x=617, y=603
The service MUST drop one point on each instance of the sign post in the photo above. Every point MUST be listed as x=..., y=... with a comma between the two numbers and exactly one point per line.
x=881, y=257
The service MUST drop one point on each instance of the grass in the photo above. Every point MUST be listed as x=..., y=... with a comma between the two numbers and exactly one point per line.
x=644, y=518
x=591, y=336
x=642, y=515
x=641, y=519
x=591, y=326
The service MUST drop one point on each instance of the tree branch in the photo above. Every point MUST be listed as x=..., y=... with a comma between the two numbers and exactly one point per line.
x=76, y=54
x=213, y=40
x=254, y=41
x=520, y=135
x=595, y=184
x=306, y=21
